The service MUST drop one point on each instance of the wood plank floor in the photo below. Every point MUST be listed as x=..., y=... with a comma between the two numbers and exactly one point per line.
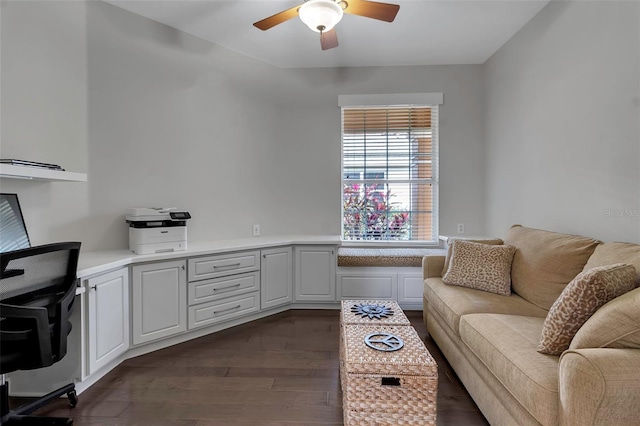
x=281, y=370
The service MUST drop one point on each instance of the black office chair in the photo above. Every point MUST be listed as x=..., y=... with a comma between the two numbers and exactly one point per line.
x=37, y=291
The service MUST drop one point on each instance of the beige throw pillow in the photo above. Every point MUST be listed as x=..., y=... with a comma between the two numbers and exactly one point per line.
x=480, y=266
x=580, y=300
x=615, y=325
x=447, y=259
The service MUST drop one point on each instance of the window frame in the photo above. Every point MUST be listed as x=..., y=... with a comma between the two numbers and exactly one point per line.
x=430, y=100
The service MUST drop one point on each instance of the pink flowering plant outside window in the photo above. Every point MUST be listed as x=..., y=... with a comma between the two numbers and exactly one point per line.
x=369, y=214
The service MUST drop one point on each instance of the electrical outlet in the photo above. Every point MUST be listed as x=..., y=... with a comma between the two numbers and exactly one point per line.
x=461, y=228
x=256, y=230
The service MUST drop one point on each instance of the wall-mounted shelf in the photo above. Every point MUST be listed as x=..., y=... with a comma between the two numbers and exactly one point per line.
x=22, y=172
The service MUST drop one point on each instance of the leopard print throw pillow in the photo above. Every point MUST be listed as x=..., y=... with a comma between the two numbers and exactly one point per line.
x=480, y=266
x=580, y=299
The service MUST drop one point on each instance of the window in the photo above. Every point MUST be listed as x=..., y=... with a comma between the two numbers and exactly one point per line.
x=389, y=173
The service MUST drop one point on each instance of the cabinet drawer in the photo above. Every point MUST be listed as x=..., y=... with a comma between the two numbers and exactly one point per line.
x=219, y=288
x=201, y=268
x=223, y=310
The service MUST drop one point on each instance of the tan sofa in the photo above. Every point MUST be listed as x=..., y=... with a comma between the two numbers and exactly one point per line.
x=490, y=340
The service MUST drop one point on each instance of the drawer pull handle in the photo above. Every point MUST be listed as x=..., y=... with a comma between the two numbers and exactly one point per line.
x=233, y=265
x=224, y=288
x=226, y=310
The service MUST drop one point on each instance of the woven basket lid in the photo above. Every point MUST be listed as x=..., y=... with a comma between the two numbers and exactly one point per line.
x=392, y=314
x=413, y=359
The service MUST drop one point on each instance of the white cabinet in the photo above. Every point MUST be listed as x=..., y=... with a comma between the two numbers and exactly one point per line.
x=223, y=310
x=368, y=283
x=403, y=284
x=315, y=274
x=108, y=314
x=223, y=287
x=221, y=265
x=159, y=300
x=276, y=277
x=410, y=288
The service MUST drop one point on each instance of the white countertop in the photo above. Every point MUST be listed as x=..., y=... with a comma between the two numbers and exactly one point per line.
x=95, y=262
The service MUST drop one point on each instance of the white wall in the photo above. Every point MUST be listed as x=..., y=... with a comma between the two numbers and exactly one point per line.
x=43, y=108
x=563, y=123
x=174, y=120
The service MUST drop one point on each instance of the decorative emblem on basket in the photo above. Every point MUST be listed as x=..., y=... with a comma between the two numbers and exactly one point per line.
x=372, y=310
x=385, y=342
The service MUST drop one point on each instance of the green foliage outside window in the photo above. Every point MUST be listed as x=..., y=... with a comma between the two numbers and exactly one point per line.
x=369, y=214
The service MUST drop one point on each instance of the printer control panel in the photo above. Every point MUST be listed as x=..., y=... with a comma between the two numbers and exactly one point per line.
x=180, y=215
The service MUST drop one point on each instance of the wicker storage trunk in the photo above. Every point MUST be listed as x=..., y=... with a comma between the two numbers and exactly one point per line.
x=387, y=388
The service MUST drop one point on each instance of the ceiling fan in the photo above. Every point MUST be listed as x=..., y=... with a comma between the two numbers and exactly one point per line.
x=322, y=15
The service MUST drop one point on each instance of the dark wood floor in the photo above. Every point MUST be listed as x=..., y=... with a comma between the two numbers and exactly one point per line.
x=281, y=370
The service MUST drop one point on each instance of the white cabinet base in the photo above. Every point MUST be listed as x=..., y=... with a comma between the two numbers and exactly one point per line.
x=223, y=310
x=159, y=300
x=410, y=287
x=276, y=277
x=315, y=274
x=108, y=310
x=403, y=285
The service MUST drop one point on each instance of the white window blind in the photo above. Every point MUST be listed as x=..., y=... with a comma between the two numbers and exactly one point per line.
x=389, y=173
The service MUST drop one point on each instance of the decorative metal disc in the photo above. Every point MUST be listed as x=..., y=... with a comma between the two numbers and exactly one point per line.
x=385, y=342
x=372, y=310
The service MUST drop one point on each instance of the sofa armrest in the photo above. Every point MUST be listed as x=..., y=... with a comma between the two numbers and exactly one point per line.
x=432, y=266
x=600, y=386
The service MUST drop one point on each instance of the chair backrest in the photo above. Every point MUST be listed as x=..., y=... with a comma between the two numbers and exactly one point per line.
x=37, y=291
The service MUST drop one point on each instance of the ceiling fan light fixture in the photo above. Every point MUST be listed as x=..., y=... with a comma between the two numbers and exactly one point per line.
x=320, y=15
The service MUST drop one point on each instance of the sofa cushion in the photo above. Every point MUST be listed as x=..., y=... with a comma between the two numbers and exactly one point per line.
x=615, y=325
x=452, y=302
x=545, y=262
x=580, y=299
x=506, y=344
x=481, y=266
x=447, y=259
x=610, y=253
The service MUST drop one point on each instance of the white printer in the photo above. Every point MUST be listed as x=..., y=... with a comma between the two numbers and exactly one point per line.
x=157, y=229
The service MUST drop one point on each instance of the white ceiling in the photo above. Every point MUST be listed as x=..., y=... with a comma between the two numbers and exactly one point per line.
x=425, y=32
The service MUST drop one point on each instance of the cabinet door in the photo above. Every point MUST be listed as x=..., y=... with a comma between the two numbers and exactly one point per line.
x=315, y=273
x=276, y=277
x=410, y=288
x=368, y=283
x=159, y=300
x=108, y=312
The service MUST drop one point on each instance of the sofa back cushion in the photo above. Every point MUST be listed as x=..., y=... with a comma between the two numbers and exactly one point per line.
x=610, y=253
x=545, y=262
x=615, y=325
x=584, y=295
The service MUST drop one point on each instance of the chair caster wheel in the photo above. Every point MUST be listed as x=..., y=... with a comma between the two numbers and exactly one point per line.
x=73, y=398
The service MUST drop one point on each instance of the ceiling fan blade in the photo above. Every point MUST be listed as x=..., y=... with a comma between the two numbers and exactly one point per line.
x=276, y=19
x=370, y=9
x=328, y=39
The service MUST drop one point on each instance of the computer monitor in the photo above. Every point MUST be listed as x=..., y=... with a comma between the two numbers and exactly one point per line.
x=13, y=232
